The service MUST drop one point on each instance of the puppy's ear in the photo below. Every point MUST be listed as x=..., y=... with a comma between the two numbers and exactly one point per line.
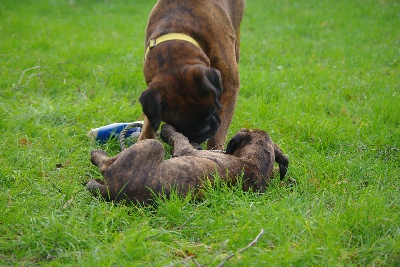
x=211, y=82
x=282, y=160
x=150, y=100
x=233, y=144
x=240, y=139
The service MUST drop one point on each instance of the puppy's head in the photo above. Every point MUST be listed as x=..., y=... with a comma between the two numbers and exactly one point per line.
x=247, y=141
x=257, y=145
x=187, y=98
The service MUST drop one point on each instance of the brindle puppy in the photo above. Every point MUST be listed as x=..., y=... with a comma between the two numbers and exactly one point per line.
x=141, y=169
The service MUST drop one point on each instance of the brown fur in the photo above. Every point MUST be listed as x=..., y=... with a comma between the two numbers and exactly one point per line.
x=194, y=89
x=140, y=169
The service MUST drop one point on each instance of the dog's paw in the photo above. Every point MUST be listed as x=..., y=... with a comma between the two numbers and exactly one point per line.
x=166, y=132
x=168, y=128
x=96, y=156
x=93, y=186
x=97, y=152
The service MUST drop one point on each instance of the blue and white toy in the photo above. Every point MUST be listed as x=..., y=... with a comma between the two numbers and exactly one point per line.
x=114, y=130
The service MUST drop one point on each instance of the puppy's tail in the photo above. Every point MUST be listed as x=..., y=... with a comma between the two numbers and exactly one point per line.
x=282, y=160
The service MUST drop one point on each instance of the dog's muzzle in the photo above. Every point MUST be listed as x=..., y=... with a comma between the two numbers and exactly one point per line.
x=199, y=132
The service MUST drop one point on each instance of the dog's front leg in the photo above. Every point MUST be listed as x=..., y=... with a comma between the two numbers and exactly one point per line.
x=147, y=131
x=228, y=101
x=180, y=144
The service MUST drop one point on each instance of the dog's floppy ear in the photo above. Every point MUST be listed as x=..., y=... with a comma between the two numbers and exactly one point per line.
x=233, y=144
x=214, y=77
x=239, y=139
x=151, y=106
x=210, y=80
x=282, y=160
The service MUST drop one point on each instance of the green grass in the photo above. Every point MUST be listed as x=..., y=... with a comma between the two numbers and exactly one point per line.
x=322, y=77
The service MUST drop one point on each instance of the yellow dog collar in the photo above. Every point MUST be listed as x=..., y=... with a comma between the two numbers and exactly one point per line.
x=169, y=37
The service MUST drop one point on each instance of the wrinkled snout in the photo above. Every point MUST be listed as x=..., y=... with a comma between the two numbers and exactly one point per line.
x=200, y=131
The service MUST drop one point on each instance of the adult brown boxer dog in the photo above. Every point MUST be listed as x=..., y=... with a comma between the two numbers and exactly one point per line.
x=190, y=67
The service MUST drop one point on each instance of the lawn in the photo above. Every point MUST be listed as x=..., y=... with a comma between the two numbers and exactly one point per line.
x=322, y=77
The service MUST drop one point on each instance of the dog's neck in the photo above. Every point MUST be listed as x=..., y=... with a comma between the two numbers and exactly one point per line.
x=172, y=54
x=169, y=37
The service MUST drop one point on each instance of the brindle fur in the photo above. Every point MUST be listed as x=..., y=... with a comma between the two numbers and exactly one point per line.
x=194, y=89
x=141, y=169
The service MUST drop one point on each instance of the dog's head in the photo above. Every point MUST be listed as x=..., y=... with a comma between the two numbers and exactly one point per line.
x=247, y=141
x=257, y=145
x=187, y=98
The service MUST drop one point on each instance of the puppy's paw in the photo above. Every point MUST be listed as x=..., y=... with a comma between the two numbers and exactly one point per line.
x=93, y=186
x=166, y=132
x=98, y=152
x=96, y=156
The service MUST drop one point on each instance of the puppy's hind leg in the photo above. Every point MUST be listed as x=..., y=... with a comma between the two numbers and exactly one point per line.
x=180, y=144
x=282, y=160
x=97, y=188
x=100, y=159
